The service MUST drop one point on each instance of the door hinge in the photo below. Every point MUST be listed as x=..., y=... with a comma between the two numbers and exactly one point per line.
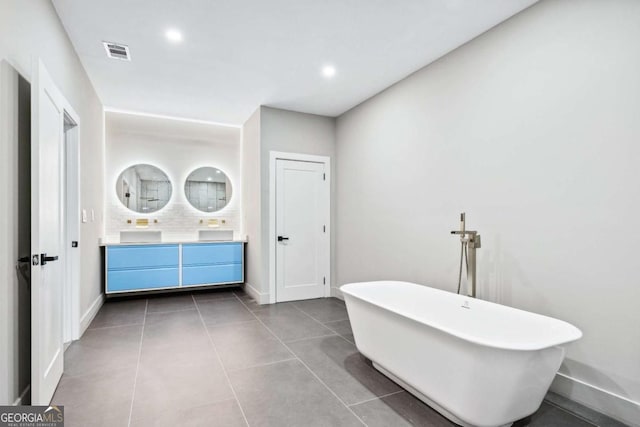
x=324, y=176
x=324, y=228
x=324, y=280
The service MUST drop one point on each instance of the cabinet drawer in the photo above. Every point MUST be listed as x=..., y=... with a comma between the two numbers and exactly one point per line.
x=138, y=279
x=202, y=275
x=143, y=256
x=215, y=253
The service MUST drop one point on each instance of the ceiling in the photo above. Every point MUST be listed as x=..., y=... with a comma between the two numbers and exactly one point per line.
x=239, y=54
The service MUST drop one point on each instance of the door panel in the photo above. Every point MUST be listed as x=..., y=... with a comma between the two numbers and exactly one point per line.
x=47, y=133
x=302, y=199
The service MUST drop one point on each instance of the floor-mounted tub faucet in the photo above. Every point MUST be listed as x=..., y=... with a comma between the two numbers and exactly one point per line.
x=469, y=242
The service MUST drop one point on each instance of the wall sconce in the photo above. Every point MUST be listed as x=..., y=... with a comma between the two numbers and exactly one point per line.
x=142, y=223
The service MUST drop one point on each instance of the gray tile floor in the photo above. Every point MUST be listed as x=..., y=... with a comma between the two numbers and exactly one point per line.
x=220, y=359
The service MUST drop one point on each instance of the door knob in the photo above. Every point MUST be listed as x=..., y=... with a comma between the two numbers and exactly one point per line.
x=44, y=259
x=282, y=238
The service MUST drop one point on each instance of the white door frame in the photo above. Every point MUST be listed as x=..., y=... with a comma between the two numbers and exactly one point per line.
x=71, y=304
x=274, y=156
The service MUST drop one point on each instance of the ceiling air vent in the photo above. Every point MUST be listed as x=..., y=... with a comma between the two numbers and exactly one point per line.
x=117, y=51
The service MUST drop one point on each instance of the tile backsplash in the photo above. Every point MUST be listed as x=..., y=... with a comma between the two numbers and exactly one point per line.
x=177, y=221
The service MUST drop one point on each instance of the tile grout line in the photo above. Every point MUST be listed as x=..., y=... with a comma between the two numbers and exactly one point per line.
x=313, y=318
x=260, y=365
x=377, y=398
x=304, y=364
x=318, y=321
x=135, y=379
x=224, y=369
x=214, y=299
x=234, y=323
x=333, y=334
x=99, y=328
x=171, y=311
x=332, y=321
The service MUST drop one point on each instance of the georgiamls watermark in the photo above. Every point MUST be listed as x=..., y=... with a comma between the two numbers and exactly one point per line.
x=31, y=416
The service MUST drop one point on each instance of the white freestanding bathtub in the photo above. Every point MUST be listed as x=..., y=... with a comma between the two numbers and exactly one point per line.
x=475, y=362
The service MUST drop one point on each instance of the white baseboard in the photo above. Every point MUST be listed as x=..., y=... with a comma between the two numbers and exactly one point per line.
x=89, y=315
x=261, y=298
x=336, y=292
x=618, y=407
x=20, y=400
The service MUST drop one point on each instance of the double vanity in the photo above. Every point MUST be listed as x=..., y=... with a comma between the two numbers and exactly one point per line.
x=142, y=260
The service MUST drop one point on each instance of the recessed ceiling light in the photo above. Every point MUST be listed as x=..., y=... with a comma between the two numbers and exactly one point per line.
x=328, y=71
x=174, y=35
x=209, y=179
x=218, y=171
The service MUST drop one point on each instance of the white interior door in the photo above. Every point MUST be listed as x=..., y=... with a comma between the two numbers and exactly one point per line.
x=47, y=133
x=302, y=249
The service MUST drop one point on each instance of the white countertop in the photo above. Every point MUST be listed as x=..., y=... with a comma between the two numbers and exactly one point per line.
x=167, y=242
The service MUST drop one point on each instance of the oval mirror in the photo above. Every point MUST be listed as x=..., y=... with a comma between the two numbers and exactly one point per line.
x=143, y=188
x=208, y=189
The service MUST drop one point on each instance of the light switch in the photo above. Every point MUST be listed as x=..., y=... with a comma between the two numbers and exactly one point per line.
x=84, y=215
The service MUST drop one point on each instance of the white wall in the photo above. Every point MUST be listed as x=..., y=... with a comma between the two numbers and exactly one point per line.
x=271, y=129
x=177, y=148
x=533, y=129
x=251, y=215
x=31, y=29
x=290, y=132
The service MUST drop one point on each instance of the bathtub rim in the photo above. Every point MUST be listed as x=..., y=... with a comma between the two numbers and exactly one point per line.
x=573, y=331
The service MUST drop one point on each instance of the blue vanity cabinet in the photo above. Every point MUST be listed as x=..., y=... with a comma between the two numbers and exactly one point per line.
x=150, y=267
x=212, y=263
x=142, y=267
